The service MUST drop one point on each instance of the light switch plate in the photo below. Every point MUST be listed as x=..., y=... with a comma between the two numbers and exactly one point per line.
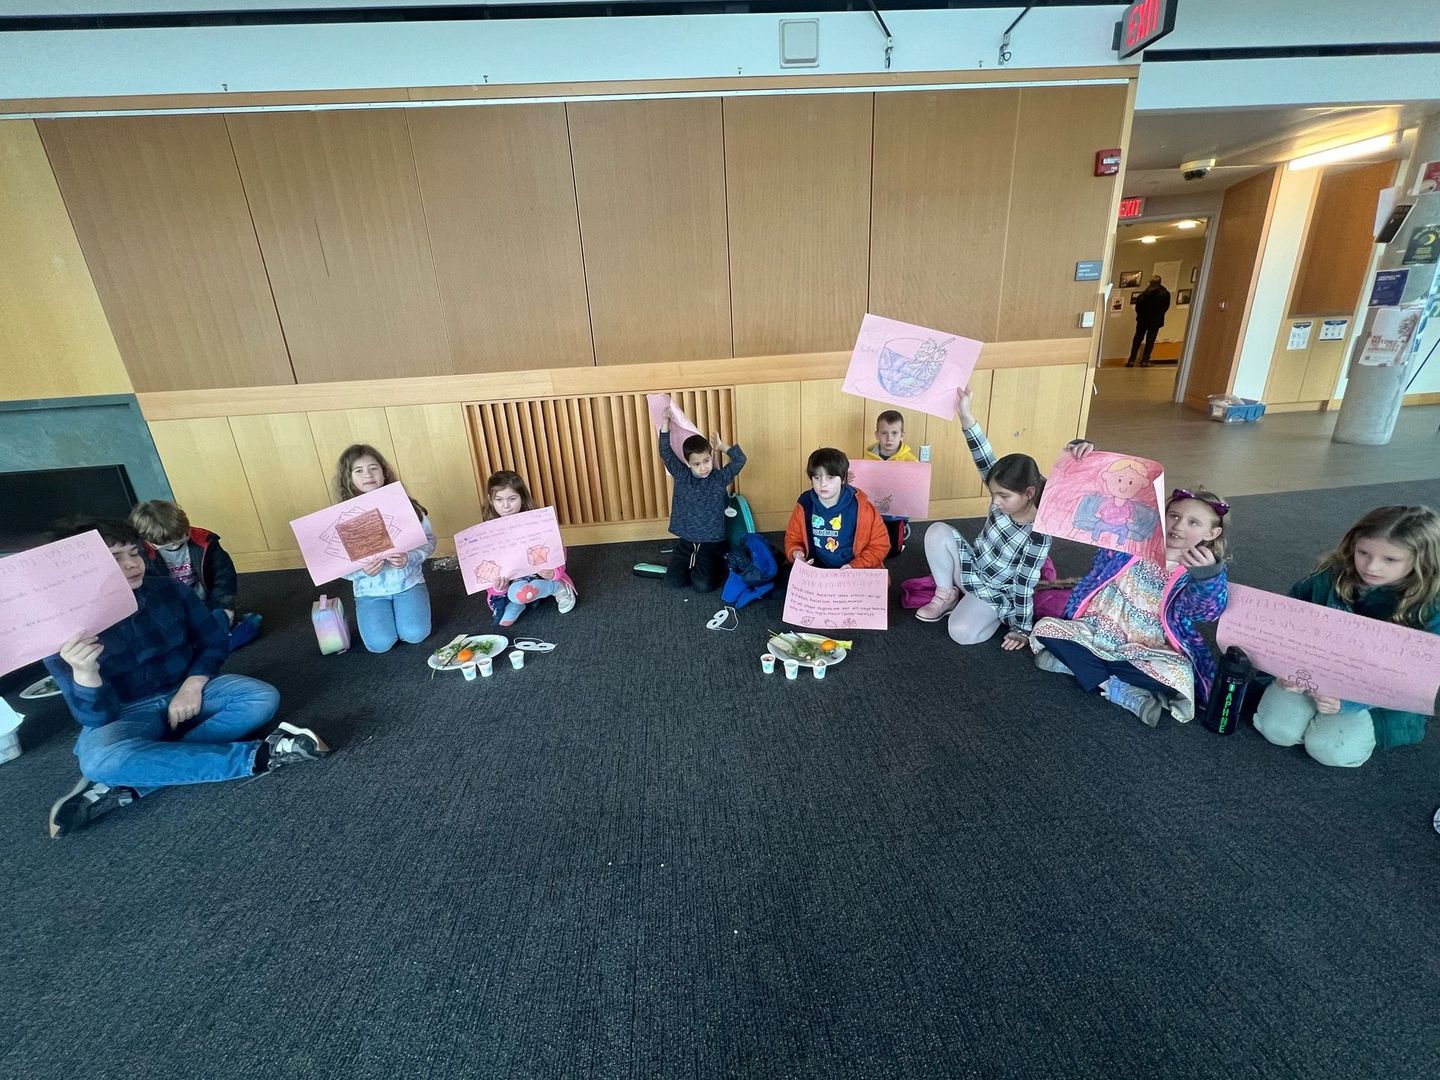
x=925, y=452
x=1087, y=320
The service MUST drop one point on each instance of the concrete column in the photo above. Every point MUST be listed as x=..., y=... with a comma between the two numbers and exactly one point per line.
x=1373, y=395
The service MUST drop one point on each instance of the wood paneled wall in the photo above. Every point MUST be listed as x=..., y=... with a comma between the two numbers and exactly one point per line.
x=1340, y=239
x=304, y=247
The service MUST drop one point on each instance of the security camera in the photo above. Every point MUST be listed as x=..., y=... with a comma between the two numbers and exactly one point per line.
x=1197, y=170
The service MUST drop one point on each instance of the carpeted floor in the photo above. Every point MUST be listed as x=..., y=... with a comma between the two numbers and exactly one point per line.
x=639, y=857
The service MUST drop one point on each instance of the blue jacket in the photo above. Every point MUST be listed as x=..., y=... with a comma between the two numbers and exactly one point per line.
x=697, y=511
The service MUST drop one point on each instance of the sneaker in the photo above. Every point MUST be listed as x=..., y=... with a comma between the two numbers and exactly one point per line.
x=85, y=802
x=1046, y=660
x=290, y=745
x=564, y=597
x=1145, y=704
x=942, y=604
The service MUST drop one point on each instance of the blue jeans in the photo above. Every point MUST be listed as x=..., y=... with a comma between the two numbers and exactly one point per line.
x=523, y=593
x=385, y=620
x=139, y=750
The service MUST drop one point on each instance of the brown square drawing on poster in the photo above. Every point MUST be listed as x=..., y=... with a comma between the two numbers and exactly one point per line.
x=364, y=535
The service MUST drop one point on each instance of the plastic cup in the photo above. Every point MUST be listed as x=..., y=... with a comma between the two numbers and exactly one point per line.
x=517, y=659
x=792, y=669
x=468, y=670
x=487, y=667
x=819, y=669
x=767, y=664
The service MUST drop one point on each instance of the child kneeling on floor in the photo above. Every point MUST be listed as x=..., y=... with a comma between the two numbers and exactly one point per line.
x=506, y=493
x=697, y=511
x=1131, y=629
x=1387, y=567
x=834, y=525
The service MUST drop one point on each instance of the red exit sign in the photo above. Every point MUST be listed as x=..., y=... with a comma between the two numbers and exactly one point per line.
x=1132, y=206
x=1144, y=23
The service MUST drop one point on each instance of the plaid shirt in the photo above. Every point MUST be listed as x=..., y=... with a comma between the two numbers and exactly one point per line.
x=172, y=636
x=1003, y=566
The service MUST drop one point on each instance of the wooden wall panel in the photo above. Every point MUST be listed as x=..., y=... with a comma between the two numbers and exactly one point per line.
x=1035, y=411
x=953, y=474
x=940, y=204
x=157, y=204
x=1234, y=265
x=54, y=341
x=829, y=417
x=334, y=430
x=208, y=479
x=499, y=197
x=432, y=452
x=797, y=183
x=1340, y=239
x=336, y=205
x=1059, y=210
x=283, y=471
x=767, y=425
x=1322, y=373
x=650, y=181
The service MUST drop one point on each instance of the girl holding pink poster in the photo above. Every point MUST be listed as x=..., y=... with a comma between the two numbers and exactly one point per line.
x=507, y=494
x=392, y=602
x=1387, y=567
x=1131, y=629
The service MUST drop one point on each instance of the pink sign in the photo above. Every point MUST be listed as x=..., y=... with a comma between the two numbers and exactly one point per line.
x=1334, y=653
x=507, y=548
x=49, y=594
x=342, y=538
x=897, y=488
x=910, y=366
x=681, y=427
x=837, y=599
x=1112, y=501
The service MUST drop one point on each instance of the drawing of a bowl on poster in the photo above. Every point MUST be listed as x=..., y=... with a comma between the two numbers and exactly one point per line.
x=911, y=366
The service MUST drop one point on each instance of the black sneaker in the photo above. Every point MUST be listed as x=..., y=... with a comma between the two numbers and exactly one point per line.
x=85, y=802
x=290, y=745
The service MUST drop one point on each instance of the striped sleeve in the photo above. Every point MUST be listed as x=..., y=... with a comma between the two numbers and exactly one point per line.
x=980, y=450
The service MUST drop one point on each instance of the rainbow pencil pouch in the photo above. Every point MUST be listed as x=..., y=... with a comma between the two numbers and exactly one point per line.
x=332, y=629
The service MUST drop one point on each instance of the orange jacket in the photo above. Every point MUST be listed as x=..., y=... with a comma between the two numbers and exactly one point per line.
x=871, y=543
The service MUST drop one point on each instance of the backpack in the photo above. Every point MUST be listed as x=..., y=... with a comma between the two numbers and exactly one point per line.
x=332, y=629
x=739, y=522
x=754, y=565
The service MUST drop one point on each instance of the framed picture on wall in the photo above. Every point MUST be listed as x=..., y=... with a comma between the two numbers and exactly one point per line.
x=1194, y=274
x=1134, y=296
x=1182, y=297
x=1129, y=279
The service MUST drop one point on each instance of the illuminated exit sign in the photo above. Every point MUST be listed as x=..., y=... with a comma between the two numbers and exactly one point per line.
x=1132, y=206
x=1144, y=23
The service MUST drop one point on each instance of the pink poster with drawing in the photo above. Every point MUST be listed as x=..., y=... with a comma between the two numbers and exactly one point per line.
x=49, y=594
x=342, y=538
x=1113, y=501
x=681, y=427
x=910, y=366
x=897, y=488
x=1334, y=653
x=837, y=599
x=507, y=548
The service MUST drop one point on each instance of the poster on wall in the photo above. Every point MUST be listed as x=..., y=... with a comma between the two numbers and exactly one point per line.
x=1427, y=179
x=1388, y=288
x=1333, y=329
x=1182, y=297
x=1387, y=344
x=1129, y=279
x=1423, y=245
x=1168, y=273
x=1299, y=336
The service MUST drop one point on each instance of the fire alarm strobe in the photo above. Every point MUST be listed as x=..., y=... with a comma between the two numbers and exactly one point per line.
x=1107, y=162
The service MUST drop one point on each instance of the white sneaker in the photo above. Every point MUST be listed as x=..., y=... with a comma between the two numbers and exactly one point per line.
x=1046, y=660
x=943, y=603
x=564, y=597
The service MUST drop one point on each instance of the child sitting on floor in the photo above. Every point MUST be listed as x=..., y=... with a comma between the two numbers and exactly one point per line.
x=1387, y=567
x=195, y=559
x=697, y=511
x=506, y=493
x=1131, y=629
x=833, y=524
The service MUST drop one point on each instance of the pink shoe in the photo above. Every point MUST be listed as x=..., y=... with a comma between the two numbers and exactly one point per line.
x=940, y=606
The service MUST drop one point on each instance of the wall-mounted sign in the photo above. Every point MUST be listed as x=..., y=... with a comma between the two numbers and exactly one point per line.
x=1333, y=329
x=1107, y=162
x=1088, y=270
x=1390, y=227
x=1389, y=287
x=1391, y=330
x=1424, y=245
x=1427, y=178
x=1144, y=23
x=1132, y=206
x=1299, y=336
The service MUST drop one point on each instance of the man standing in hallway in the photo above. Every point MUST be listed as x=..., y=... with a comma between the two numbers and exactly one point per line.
x=1150, y=308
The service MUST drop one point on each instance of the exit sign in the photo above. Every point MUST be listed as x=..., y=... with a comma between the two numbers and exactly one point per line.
x=1144, y=23
x=1132, y=206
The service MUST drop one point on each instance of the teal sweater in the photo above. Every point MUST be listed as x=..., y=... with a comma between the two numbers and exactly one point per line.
x=1392, y=728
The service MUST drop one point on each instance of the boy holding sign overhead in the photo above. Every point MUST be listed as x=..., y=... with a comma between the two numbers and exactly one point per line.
x=697, y=511
x=153, y=708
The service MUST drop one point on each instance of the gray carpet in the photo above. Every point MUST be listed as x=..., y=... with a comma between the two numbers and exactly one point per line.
x=639, y=857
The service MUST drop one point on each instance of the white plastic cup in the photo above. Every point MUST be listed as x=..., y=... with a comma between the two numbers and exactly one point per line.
x=792, y=669
x=468, y=670
x=767, y=664
x=819, y=669
x=487, y=667
x=517, y=659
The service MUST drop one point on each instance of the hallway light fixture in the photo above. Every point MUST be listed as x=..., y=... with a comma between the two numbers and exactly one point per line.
x=1148, y=239
x=1187, y=223
x=1345, y=153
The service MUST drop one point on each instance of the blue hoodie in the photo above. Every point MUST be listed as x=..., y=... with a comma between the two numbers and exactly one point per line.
x=831, y=531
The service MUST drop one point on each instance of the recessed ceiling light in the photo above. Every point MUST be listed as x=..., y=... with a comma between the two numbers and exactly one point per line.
x=1188, y=223
x=1148, y=239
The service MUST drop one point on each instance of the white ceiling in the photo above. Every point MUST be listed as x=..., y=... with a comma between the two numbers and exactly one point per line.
x=1165, y=230
x=1247, y=141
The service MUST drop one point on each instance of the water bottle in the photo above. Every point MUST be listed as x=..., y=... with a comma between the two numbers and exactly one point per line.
x=1227, y=696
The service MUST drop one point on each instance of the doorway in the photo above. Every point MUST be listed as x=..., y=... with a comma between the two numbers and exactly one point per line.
x=1173, y=250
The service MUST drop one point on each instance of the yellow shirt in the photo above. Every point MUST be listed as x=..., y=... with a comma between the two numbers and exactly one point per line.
x=872, y=453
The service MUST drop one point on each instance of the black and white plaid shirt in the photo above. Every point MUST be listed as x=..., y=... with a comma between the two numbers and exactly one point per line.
x=1003, y=565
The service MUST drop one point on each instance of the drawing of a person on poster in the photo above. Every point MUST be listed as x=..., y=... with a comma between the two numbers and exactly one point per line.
x=1120, y=512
